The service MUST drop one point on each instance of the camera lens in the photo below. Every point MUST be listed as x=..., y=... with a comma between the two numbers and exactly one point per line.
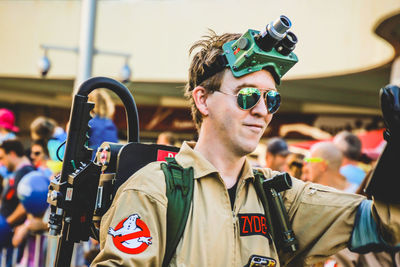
x=291, y=38
x=282, y=24
x=287, y=45
x=274, y=32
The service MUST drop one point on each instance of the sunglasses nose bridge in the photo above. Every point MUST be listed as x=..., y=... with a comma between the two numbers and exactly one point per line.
x=265, y=100
x=263, y=109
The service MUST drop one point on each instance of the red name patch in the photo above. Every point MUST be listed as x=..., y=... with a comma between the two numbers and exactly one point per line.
x=253, y=224
x=162, y=154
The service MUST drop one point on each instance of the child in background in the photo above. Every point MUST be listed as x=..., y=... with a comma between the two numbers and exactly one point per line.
x=46, y=129
x=102, y=127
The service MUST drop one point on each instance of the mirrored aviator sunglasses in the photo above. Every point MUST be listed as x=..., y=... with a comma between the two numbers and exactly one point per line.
x=248, y=97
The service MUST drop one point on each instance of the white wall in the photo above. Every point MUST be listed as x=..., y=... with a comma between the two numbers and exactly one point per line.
x=335, y=37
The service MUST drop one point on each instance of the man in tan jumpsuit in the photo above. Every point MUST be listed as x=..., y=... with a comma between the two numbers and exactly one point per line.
x=226, y=225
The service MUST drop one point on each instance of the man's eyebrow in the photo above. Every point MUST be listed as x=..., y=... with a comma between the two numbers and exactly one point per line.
x=244, y=85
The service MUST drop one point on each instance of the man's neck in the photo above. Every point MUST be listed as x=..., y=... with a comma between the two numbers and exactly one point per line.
x=224, y=160
x=335, y=180
x=21, y=162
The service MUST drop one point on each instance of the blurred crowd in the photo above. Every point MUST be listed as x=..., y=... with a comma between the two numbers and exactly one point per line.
x=25, y=174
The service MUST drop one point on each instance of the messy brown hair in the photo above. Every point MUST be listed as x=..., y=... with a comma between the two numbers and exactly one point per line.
x=104, y=105
x=210, y=48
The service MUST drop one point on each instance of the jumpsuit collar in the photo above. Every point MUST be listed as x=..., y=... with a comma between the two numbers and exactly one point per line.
x=187, y=157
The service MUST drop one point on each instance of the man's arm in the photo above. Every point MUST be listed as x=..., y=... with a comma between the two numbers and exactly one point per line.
x=133, y=231
x=17, y=217
x=326, y=220
x=322, y=219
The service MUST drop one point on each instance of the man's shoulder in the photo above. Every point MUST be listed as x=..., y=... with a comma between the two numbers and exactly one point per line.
x=21, y=172
x=267, y=172
x=291, y=194
x=149, y=180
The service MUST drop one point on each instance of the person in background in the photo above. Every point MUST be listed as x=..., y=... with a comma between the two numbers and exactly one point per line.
x=7, y=131
x=294, y=164
x=350, y=145
x=102, y=128
x=323, y=167
x=166, y=138
x=12, y=213
x=277, y=152
x=12, y=156
x=32, y=193
x=47, y=129
x=40, y=156
x=7, y=125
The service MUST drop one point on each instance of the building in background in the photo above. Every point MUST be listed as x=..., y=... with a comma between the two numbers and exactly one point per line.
x=343, y=59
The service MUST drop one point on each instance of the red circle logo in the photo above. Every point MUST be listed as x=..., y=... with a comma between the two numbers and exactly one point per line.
x=131, y=235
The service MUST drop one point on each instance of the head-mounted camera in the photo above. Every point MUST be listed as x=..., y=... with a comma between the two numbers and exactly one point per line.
x=255, y=50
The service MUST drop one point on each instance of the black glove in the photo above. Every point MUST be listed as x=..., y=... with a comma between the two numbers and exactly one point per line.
x=390, y=104
x=384, y=176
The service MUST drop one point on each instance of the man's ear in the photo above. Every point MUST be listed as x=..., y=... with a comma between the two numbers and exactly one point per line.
x=324, y=166
x=12, y=154
x=200, y=95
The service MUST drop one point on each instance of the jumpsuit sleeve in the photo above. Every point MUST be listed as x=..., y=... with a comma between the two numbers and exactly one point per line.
x=133, y=231
x=322, y=219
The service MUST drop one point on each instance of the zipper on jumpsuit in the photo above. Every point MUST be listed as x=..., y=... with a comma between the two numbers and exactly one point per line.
x=234, y=217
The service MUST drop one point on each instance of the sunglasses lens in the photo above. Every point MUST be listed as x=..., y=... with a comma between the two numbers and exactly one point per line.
x=248, y=97
x=273, y=101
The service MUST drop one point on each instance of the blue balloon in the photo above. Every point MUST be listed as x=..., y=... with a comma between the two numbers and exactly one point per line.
x=5, y=232
x=32, y=192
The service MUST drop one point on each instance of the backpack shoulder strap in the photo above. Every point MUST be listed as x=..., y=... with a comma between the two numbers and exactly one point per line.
x=259, y=178
x=179, y=191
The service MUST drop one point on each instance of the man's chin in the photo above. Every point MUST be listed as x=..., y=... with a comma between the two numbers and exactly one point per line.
x=249, y=148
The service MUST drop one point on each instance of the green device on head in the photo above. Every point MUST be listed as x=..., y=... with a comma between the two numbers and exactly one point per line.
x=254, y=50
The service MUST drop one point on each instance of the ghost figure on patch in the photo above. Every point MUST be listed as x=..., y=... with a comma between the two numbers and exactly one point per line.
x=131, y=235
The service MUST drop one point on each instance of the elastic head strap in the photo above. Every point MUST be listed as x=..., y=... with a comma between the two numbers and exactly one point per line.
x=210, y=70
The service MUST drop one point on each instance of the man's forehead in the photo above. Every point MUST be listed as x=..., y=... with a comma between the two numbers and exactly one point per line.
x=261, y=79
x=246, y=84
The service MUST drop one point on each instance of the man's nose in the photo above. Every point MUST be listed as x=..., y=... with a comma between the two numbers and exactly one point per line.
x=260, y=108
